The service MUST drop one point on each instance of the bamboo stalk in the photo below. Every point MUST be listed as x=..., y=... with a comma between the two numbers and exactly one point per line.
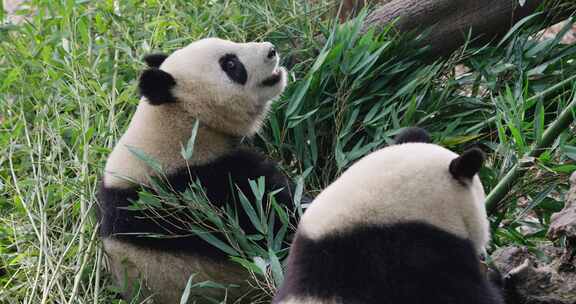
x=530, y=101
x=552, y=132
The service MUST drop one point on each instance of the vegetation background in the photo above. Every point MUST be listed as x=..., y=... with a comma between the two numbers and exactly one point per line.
x=67, y=91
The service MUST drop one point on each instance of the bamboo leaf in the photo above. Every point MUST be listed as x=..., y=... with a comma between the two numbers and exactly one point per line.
x=188, y=150
x=539, y=122
x=186, y=294
x=249, y=210
x=148, y=160
x=212, y=240
x=276, y=268
x=516, y=27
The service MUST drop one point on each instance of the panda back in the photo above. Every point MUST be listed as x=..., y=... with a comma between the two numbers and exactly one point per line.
x=409, y=263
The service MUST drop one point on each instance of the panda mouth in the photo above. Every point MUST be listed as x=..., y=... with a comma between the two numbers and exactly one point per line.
x=274, y=79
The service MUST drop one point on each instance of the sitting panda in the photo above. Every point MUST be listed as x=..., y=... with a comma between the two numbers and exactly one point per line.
x=228, y=88
x=404, y=224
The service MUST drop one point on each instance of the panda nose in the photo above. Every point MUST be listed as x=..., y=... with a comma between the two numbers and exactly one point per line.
x=271, y=52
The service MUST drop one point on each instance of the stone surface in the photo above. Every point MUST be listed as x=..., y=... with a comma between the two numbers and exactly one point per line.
x=549, y=278
x=563, y=223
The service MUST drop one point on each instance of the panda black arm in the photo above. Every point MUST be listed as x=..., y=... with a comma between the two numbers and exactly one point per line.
x=216, y=178
x=247, y=165
x=224, y=177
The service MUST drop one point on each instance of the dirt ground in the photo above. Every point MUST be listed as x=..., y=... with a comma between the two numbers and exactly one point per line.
x=11, y=7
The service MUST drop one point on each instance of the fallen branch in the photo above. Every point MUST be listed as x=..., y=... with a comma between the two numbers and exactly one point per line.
x=450, y=22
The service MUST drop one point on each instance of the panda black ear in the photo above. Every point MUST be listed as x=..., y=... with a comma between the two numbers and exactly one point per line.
x=155, y=60
x=412, y=135
x=467, y=164
x=156, y=85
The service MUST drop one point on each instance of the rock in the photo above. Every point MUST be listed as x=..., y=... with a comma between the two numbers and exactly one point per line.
x=550, y=277
x=563, y=223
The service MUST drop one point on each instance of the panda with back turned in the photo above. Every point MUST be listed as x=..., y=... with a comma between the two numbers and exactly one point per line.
x=404, y=224
x=228, y=88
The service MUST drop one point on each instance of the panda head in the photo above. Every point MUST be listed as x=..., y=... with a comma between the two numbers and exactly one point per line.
x=228, y=86
x=411, y=181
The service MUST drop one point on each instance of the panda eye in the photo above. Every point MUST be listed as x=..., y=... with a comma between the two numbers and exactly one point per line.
x=233, y=68
x=230, y=65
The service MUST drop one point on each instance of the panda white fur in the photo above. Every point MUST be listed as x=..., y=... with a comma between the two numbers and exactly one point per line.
x=227, y=87
x=404, y=224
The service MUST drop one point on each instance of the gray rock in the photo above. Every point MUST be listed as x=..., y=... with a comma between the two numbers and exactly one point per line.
x=544, y=280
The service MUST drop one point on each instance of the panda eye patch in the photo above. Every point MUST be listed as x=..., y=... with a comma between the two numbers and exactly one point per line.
x=234, y=68
x=230, y=65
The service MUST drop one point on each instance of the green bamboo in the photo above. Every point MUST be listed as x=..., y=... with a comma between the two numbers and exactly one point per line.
x=552, y=132
x=530, y=101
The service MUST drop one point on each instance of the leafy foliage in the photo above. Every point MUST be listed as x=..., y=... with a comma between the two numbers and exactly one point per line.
x=67, y=90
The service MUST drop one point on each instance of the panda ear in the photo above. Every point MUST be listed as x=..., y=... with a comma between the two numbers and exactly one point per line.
x=155, y=60
x=412, y=135
x=156, y=85
x=467, y=164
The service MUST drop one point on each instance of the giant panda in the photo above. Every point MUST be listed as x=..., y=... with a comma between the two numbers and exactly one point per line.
x=405, y=224
x=227, y=87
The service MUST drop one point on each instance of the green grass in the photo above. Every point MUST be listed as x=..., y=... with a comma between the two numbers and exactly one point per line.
x=67, y=91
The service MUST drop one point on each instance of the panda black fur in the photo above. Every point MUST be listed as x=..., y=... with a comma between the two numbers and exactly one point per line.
x=227, y=87
x=404, y=224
